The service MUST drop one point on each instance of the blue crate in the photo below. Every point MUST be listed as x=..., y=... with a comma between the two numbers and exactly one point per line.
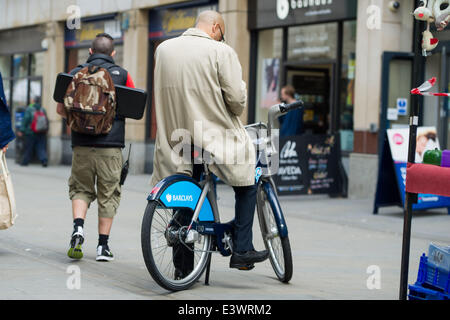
x=417, y=292
x=439, y=256
x=433, y=277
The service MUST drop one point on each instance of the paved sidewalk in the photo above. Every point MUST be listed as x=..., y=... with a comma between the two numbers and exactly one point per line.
x=334, y=241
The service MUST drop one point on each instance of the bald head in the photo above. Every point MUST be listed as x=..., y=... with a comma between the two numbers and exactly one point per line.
x=212, y=23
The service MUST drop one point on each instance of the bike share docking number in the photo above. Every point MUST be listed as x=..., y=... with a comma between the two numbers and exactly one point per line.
x=226, y=309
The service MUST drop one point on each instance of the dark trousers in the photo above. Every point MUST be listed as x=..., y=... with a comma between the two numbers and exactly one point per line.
x=245, y=197
x=35, y=143
x=244, y=208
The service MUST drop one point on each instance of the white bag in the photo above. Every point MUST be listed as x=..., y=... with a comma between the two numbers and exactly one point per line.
x=7, y=201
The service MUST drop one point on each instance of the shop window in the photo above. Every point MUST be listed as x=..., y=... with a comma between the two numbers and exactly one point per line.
x=35, y=89
x=7, y=90
x=5, y=66
x=20, y=63
x=24, y=83
x=20, y=93
x=82, y=55
x=5, y=69
x=37, y=64
x=270, y=46
x=347, y=85
x=118, y=58
x=313, y=42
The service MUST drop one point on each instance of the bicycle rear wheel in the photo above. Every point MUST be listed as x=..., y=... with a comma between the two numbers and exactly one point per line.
x=162, y=240
x=278, y=247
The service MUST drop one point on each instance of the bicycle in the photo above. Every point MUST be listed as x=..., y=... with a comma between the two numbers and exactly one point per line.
x=163, y=226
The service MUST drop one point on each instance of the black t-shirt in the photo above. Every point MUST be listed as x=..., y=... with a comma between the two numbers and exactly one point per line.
x=116, y=137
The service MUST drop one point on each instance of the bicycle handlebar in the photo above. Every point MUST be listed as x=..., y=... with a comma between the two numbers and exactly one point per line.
x=285, y=108
x=277, y=110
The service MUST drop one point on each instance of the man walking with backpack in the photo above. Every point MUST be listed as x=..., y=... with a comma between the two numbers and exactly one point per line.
x=98, y=136
x=35, y=127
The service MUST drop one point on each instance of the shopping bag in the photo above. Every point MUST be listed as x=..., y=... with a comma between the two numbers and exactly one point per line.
x=8, y=212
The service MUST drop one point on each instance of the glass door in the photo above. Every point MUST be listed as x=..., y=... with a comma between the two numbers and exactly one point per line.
x=399, y=97
x=396, y=84
x=312, y=84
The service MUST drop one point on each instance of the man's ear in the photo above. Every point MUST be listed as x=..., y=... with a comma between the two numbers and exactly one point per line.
x=113, y=53
x=90, y=50
x=213, y=30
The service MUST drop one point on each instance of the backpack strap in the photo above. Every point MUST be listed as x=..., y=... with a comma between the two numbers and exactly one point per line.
x=81, y=66
x=108, y=65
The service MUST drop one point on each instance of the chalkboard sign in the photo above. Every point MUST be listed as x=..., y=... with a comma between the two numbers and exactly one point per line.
x=309, y=164
x=290, y=177
x=322, y=164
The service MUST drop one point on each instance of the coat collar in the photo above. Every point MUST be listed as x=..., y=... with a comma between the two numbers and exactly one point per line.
x=102, y=56
x=194, y=32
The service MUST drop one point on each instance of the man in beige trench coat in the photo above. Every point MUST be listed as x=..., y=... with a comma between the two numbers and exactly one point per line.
x=199, y=89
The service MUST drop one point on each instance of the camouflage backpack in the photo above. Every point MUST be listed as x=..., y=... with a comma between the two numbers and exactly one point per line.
x=90, y=101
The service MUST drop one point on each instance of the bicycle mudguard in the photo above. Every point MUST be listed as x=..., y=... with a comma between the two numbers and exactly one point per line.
x=180, y=191
x=276, y=208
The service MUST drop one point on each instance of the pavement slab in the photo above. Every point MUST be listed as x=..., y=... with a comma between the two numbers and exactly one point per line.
x=335, y=243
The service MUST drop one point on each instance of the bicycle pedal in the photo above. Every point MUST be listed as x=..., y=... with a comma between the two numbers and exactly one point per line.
x=247, y=268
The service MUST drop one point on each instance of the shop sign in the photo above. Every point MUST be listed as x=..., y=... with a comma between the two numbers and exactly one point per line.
x=312, y=42
x=308, y=165
x=392, y=170
x=402, y=106
x=88, y=31
x=392, y=114
x=168, y=23
x=278, y=13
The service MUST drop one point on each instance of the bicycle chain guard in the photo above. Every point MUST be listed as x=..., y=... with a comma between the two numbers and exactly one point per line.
x=223, y=233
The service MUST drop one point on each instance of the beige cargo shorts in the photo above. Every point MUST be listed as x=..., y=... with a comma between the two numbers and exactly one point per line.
x=96, y=175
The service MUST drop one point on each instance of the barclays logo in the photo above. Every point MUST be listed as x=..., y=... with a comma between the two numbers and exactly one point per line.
x=179, y=197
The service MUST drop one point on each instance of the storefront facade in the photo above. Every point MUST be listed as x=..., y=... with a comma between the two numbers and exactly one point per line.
x=327, y=49
x=313, y=49
x=310, y=45
x=60, y=44
x=332, y=53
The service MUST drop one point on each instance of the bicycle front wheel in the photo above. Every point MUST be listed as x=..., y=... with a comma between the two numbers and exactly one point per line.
x=172, y=263
x=278, y=247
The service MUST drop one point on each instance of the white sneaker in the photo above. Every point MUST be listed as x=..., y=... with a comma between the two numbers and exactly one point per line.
x=104, y=254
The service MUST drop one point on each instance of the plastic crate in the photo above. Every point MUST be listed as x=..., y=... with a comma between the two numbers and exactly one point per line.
x=431, y=276
x=439, y=256
x=417, y=292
